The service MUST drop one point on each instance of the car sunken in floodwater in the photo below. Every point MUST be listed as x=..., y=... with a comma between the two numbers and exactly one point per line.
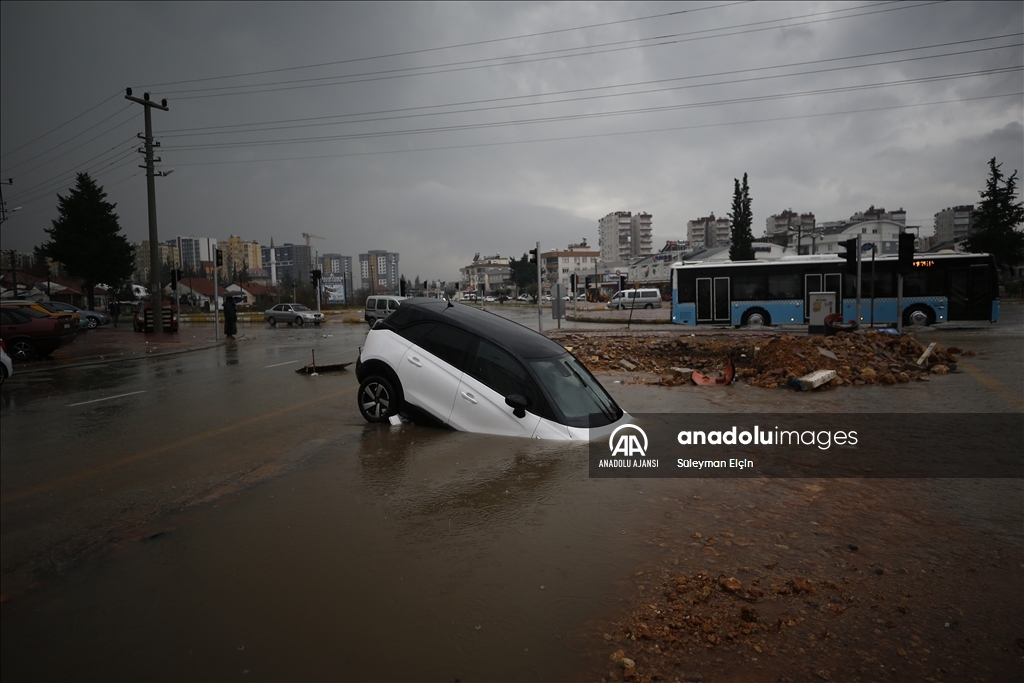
x=470, y=370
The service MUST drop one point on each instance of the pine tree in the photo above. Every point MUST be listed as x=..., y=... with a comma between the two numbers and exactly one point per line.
x=996, y=219
x=742, y=247
x=86, y=237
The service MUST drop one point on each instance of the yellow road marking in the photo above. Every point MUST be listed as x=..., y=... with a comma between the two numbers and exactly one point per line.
x=85, y=474
x=1015, y=399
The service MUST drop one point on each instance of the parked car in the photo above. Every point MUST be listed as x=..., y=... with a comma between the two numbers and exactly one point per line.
x=6, y=366
x=378, y=307
x=292, y=314
x=88, y=319
x=29, y=332
x=475, y=371
x=170, y=317
x=44, y=307
x=523, y=297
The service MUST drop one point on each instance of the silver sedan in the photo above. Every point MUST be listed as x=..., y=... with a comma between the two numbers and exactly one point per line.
x=296, y=314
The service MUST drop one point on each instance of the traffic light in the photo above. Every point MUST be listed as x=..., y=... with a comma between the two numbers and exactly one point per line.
x=906, y=257
x=315, y=276
x=401, y=286
x=572, y=283
x=220, y=258
x=533, y=256
x=850, y=254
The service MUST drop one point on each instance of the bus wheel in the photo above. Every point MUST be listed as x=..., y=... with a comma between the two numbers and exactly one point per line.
x=756, y=317
x=918, y=316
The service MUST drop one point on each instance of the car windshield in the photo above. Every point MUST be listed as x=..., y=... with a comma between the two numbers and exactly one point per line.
x=575, y=392
x=299, y=307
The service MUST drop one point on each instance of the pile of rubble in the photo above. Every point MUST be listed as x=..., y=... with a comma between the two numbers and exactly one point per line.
x=858, y=358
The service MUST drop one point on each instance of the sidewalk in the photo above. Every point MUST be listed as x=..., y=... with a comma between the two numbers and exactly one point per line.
x=107, y=344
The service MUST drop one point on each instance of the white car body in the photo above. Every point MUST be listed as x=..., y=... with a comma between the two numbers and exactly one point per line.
x=486, y=369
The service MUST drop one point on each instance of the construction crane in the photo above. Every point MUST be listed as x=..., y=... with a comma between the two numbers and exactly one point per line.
x=309, y=237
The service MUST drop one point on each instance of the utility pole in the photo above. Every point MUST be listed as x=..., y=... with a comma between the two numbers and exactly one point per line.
x=154, y=247
x=3, y=219
x=540, y=291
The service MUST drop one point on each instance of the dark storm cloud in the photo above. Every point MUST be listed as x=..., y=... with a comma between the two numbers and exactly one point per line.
x=438, y=197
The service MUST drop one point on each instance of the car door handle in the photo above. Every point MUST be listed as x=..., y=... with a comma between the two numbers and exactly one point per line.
x=416, y=361
x=469, y=397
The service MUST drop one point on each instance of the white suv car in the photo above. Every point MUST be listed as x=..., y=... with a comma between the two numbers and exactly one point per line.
x=475, y=371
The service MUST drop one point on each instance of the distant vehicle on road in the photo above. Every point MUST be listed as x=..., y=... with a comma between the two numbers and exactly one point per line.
x=636, y=298
x=89, y=319
x=378, y=307
x=6, y=366
x=296, y=314
x=30, y=333
x=475, y=371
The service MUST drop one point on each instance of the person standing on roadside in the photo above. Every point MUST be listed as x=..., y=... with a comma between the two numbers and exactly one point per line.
x=230, y=317
x=114, y=310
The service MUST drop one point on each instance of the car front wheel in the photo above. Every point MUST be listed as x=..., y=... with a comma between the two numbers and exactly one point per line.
x=378, y=400
x=299, y=321
x=93, y=323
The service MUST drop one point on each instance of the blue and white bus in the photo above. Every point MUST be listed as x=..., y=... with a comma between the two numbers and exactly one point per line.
x=941, y=288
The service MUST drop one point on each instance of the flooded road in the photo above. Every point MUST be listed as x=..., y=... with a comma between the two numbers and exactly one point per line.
x=236, y=521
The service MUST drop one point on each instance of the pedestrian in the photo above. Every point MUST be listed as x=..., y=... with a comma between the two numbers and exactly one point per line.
x=114, y=310
x=230, y=317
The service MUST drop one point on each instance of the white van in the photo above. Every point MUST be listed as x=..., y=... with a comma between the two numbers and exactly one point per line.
x=636, y=298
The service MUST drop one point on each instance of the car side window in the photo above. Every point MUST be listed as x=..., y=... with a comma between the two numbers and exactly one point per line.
x=12, y=318
x=501, y=372
x=449, y=344
x=382, y=304
x=416, y=332
x=392, y=305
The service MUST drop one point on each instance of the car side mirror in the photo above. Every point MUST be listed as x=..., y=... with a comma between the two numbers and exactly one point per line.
x=518, y=404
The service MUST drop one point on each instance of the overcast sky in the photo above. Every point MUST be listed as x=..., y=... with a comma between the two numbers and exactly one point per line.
x=442, y=130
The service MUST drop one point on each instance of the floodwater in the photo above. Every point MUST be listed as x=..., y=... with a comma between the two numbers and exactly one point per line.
x=405, y=553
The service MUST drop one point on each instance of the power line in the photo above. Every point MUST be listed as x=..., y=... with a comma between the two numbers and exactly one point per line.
x=444, y=47
x=398, y=73
x=575, y=117
x=52, y=130
x=605, y=135
x=92, y=139
x=332, y=120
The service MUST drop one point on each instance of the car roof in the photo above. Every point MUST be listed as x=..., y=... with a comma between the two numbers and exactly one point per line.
x=517, y=339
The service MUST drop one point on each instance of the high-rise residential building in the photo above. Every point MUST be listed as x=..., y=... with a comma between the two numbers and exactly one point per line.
x=287, y=262
x=622, y=236
x=195, y=251
x=709, y=232
x=241, y=255
x=378, y=272
x=336, y=264
x=954, y=224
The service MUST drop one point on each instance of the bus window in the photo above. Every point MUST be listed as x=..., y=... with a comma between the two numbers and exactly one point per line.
x=925, y=282
x=749, y=286
x=785, y=286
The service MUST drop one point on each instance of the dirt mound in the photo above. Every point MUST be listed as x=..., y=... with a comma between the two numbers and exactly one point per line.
x=867, y=357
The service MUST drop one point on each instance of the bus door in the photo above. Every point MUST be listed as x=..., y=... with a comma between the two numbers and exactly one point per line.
x=713, y=300
x=812, y=283
x=969, y=296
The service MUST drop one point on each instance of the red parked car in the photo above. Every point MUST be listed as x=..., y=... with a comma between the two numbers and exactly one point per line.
x=29, y=332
